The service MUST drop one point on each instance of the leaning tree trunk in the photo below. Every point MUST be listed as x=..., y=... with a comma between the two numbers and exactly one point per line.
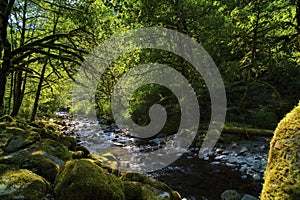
x=38, y=92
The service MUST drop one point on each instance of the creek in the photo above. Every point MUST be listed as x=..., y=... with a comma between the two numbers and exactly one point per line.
x=192, y=177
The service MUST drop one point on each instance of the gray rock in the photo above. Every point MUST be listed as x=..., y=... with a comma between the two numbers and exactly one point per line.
x=221, y=157
x=244, y=176
x=219, y=151
x=15, y=144
x=257, y=166
x=215, y=163
x=231, y=195
x=164, y=195
x=230, y=165
x=243, y=150
x=256, y=176
x=206, y=158
x=225, y=152
x=249, y=197
x=232, y=159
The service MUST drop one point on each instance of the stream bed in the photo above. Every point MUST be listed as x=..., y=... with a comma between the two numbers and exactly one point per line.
x=234, y=165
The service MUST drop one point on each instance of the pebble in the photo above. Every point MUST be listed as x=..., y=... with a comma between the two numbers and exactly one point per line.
x=215, y=163
x=250, y=159
x=230, y=195
x=249, y=197
x=256, y=177
x=206, y=158
x=243, y=150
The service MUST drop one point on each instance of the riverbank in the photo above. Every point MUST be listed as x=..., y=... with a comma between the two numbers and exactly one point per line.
x=39, y=162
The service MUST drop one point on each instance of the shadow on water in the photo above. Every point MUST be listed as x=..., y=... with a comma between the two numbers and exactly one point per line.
x=195, y=179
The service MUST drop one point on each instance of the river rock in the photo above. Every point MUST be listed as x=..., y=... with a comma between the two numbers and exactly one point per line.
x=243, y=150
x=54, y=148
x=231, y=195
x=107, y=161
x=21, y=184
x=249, y=197
x=82, y=179
x=140, y=187
x=20, y=139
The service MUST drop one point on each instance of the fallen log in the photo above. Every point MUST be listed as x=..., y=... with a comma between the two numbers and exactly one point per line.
x=243, y=131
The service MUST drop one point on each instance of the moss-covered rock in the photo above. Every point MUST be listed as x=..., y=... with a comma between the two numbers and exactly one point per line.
x=2, y=126
x=140, y=187
x=6, y=118
x=82, y=179
x=21, y=184
x=38, y=162
x=41, y=165
x=15, y=130
x=133, y=190
x=107, y=161
x=282, y=176
x=21, y=140
x=77, y=154
x=54, y=148
x=4, y=139
x=68, y=141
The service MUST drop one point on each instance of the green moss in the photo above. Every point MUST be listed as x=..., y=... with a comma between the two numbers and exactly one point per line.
x=36, y=161
x=41, y=166
x=54, y=148
x=116, y=187
x=139, y=191
x=21, y=184
x=150, y=188
x=2, y=126
x=20, y=141
x=82, y=179
x=4, y=138
x=15, y=130
x=133, y=190
x=6, y=118
x=68, y=141
x=83, y=149
x=77, y=154
x=282, y=176
x=107, y=161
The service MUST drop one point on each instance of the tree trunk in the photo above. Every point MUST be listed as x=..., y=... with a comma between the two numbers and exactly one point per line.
x=5, y=10
x=38, y=92
x=17, y=94
x=18, y=97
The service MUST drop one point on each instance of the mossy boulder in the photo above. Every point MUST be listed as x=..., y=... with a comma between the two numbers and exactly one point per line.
x=41, y=165
x=3, y=126
x=38, y=162
x=107, y=161
x=6, y=118
x=53, y=148
x=282, y=175
x=140, y=187
x=84, y=180
x=18, y=138
x=68, y=141
x=21, y=184
x=4, y=139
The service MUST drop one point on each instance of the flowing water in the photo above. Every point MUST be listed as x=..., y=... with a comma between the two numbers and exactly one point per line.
x=192, y=177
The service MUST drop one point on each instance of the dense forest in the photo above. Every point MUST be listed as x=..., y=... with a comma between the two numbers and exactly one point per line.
x=46, y=46
x=255, y=45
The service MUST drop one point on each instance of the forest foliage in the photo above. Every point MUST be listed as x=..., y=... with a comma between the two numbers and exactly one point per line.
x=255, y=45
